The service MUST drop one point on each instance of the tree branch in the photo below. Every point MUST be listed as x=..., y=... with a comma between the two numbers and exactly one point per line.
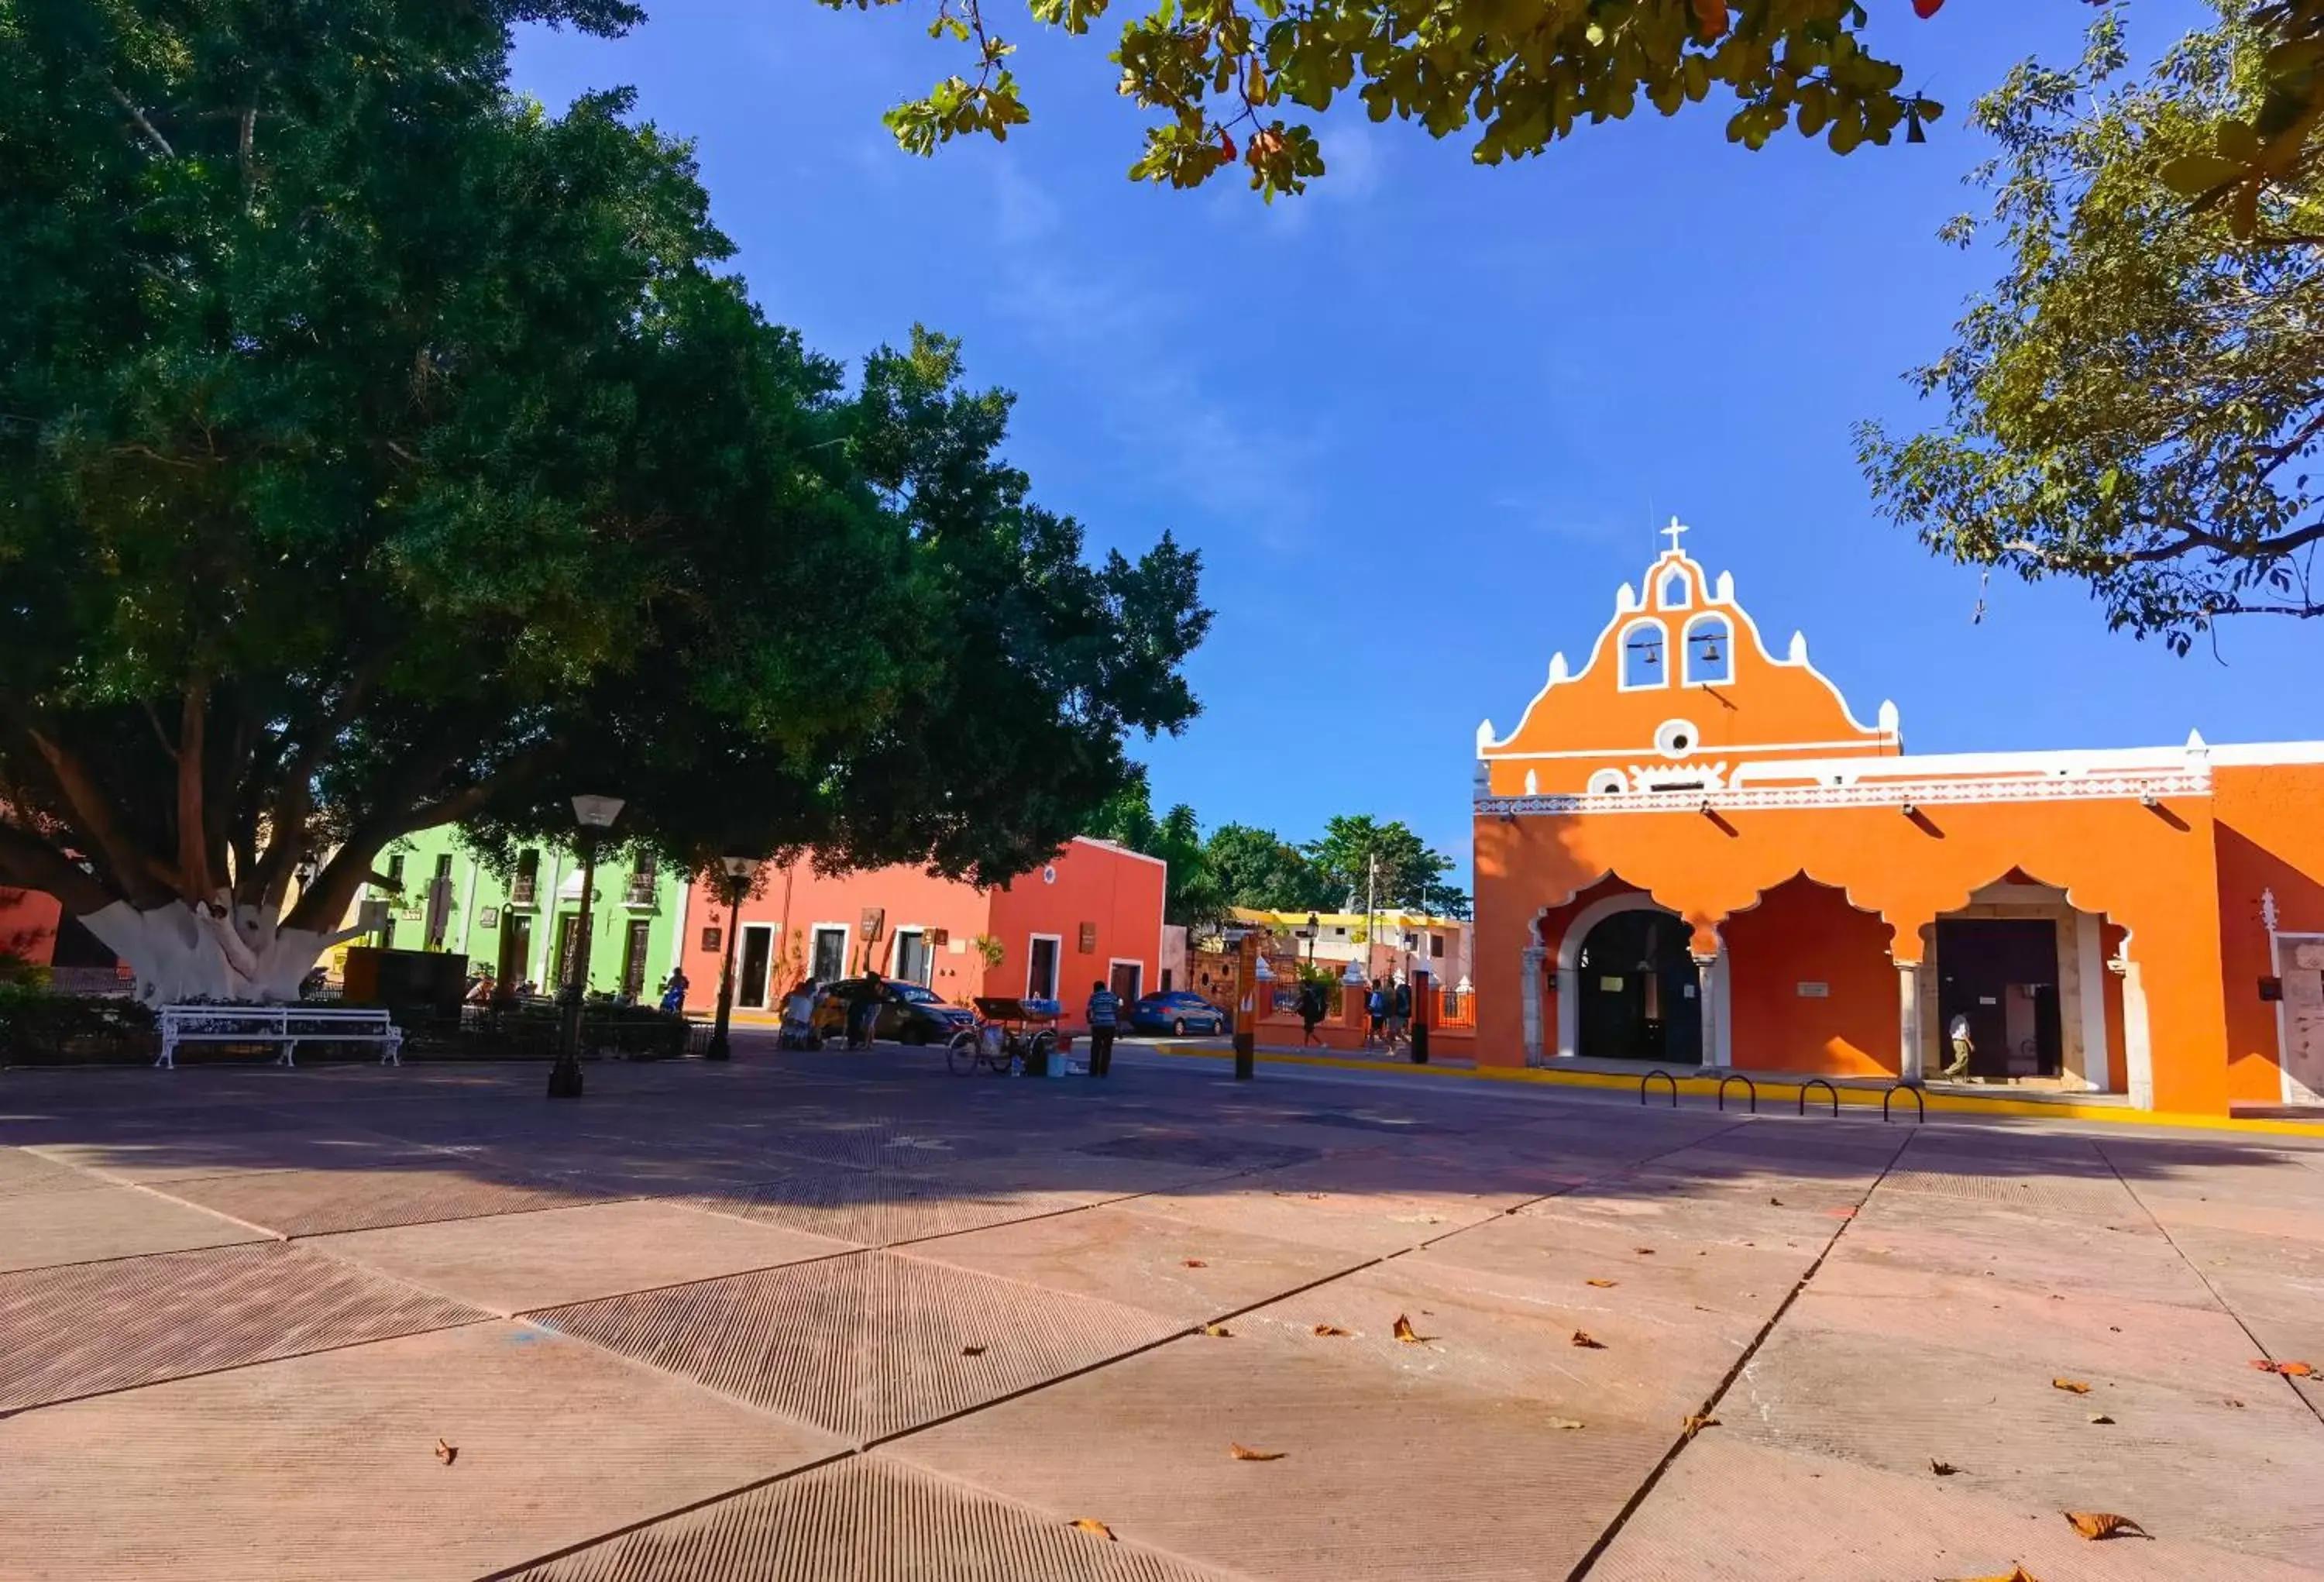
x=194, y=877
x=141, y=880
x=143, y=125
x=28, y=860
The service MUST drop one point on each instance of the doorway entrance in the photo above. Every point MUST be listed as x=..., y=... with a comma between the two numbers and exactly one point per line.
x=2002, y=974
x=1637, y=981
x=750, y=972
x=1127, y=979
x=634, y=946
x=516, y=949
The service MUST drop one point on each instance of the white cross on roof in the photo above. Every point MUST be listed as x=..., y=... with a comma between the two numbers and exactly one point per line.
x=1671, y=532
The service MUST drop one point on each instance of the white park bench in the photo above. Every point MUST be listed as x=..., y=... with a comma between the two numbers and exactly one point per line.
x=287, y=1025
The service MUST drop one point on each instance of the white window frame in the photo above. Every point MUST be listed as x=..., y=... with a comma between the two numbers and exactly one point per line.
x=1622, y=682
x=1685, y=589
x=1686, y=650
x=1056, y=965
x=815, y=931
x=742, y=953
x=896, y=952
x=1138, y=962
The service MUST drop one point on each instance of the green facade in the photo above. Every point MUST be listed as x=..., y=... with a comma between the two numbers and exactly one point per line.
x=520, y=928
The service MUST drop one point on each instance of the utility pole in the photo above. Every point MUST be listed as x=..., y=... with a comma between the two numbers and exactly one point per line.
x=1371, y=910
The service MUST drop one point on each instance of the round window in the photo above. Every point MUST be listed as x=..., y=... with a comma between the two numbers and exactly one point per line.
x=1607, y=782
x=1676, y=738
x=1048, y=875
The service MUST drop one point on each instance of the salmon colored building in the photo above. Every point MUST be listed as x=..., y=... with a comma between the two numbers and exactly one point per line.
x=1091, y=912
x=1691, y=850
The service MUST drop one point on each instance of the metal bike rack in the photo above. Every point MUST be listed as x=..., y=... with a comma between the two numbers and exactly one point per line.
x=1749, y=1087
x=1828, y=1088
x=1919, y=1104
x=1666, y=1077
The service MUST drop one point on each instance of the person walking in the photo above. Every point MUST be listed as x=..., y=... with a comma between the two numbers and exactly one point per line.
x=673, y=993
x=1104, y=1016
x=1399, y=1014
x=1963, y=1046
x=1311, y=1011
x=1376, y=1011
x=864, y=1011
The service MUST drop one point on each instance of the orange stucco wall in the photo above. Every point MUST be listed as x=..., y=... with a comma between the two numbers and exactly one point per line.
x=1803, y=932
x=1119, y=890
x=2269, y=837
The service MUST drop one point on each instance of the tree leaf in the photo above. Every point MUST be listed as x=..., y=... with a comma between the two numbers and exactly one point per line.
x=1565, y=1422
x=1193, y=1263
x=971, y=1351
x=2015, y=1574
x=1602, y=1284
x=1643, y=1252
x=2096, y=1524
x=1331, y=1329
x=1091, y=1524
x=1218, y=1331
x=1583, y=1339
x=1405, y=1332
x=2194, y=174
x=1245, y=1453
x=2100, y=1417
x=2074, y=1386
x=2289, y=1370
x=1696, y=1423
x=1942, y=1468
x=446, y=1452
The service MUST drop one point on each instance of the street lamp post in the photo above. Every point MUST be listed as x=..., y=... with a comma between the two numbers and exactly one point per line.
x=596, y=815
x=1315, y=927
x=1420, y=980
x=740, y=871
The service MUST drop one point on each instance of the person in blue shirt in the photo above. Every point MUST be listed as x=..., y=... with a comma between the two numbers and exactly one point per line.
x=1104, y=1014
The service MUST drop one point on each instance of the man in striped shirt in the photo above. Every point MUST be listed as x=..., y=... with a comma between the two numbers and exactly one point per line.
x=1104, y=1015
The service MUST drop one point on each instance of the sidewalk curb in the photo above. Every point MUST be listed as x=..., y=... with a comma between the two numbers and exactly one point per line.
x=1860, y=1097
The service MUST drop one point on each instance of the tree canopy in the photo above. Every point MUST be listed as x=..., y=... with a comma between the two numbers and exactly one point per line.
x=2139, y=401
x=379, y=451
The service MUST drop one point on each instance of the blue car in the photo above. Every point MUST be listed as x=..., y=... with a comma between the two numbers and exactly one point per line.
x=1180, y=1012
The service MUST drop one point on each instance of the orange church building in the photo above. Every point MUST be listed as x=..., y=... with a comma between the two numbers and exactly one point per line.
x=1690, y=850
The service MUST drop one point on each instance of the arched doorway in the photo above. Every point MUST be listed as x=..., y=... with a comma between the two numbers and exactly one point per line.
x=1636, y=982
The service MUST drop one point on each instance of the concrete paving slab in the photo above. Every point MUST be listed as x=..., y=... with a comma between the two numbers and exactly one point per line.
x=2122, y=1260
x=1729, y=1511
x=94, y=1327
x=566, y=1255
x=1368, y=1224
x=1379, y=1477
x=324, y=1467
x=1706, y=1277
x=151, y=1161
x=2233, y=1472
x=865, y=1518
x=863, y=1346
x=317, y=1202
x=23, y=1172
x=1120, y=1254
x=95, y=1222
x=878, y=1208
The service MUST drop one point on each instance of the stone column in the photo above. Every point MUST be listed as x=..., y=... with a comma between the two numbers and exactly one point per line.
x=1706, y=991
x=1529, y=992
x=1908, y=1023
x=2137, y=1052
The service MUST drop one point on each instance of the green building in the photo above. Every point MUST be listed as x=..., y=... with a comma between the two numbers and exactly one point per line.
x=522, y=929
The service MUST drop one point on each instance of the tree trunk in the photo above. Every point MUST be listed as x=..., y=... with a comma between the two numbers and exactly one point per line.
x=181, y=952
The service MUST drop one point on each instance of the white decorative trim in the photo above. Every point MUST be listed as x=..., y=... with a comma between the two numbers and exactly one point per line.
x=1675, y=739
x=1118, y=850
x=1499, y=757
x=1057, y=966
x=1877, y=794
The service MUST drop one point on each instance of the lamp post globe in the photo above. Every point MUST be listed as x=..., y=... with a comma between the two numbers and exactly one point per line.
x=737, y=873
x=594, y=815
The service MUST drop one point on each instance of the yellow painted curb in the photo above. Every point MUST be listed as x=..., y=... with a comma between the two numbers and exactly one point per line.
x=1954, y=1102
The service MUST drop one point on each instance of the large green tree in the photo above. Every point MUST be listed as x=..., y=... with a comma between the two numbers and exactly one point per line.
x=379, y=450
x=2138, y=402
x=1260, y=869
x=1366, y=861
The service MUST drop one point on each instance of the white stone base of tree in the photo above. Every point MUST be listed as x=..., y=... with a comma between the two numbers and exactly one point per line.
x=181, y=953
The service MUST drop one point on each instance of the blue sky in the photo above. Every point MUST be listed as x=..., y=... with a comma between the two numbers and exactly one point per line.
x=1424, y=421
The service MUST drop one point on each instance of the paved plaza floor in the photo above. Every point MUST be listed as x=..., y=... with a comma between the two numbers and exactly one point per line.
x=854, y=1319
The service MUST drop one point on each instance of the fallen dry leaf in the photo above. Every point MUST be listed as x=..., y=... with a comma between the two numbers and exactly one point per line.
x=1218, y=1331
x=1942, y=1468
x=2075, y=1385
x=1405, y=1332
x=1194, y=1263
x=971, y=1351
x=2289, y=1370
x=1091, y=1525
x=2100, y=1417
x=1565, y=1423
x=1329, y=1329
x=1697, y=1424
x=2098, y=1524
x=1602, y=1284
x=446, y=1453
x=1245, y=1453
x=1643, y=1252
x=2015, y=1574
x=2234, y=1402
x=1775, y=1202
x=1582, y=1339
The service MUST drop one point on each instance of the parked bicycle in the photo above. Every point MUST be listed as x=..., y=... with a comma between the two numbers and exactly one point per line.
x=1008, y=1036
